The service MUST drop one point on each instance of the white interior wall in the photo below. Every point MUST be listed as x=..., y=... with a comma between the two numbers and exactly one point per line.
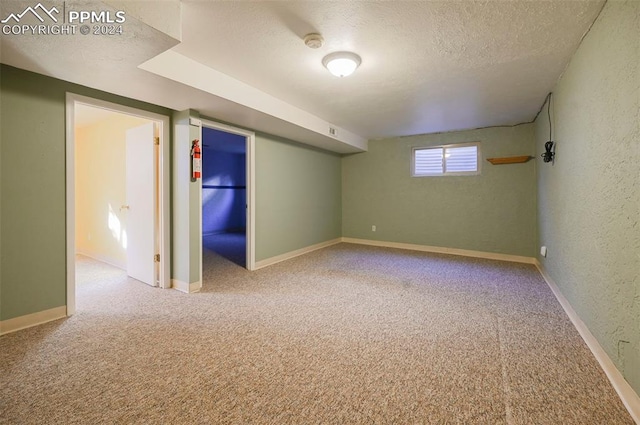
x=101, y=188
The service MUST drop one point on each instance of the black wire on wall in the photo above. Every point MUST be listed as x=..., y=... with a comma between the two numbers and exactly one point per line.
x=549, y=151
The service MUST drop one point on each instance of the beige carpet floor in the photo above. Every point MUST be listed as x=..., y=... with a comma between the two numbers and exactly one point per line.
x=345, y=335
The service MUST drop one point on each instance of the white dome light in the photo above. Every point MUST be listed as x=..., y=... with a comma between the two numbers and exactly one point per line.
x=341, y=64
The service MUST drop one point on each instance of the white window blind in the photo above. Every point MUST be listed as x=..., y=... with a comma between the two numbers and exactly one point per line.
x=443, y=160
x=428, y=161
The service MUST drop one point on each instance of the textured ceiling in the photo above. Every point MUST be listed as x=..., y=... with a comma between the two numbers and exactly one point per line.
x=426, y=66
x=100, y=61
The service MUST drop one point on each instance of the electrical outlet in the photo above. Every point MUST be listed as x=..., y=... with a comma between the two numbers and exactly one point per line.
x=373, y=228
x=543, y=251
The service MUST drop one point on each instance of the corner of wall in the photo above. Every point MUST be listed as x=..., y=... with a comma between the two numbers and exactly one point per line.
x=185, y=211
x=587, y=208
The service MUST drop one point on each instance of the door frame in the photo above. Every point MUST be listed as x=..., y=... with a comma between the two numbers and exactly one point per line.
x=164, y=236
x=250, y=168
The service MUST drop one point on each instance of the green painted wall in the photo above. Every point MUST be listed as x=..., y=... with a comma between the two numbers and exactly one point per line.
x=32, y=188
x=298, y=196
x=298, y=193
x=491, y=212
x=186, y=240
x=186, y=243
x=589, y=199
x=195, y=196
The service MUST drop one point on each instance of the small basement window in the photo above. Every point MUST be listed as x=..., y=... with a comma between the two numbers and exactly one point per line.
x=449, y=160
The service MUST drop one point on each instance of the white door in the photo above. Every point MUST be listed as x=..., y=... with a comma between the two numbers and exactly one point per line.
x=141, y=199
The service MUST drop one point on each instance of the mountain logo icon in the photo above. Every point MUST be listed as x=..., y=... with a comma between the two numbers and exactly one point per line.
x=34, y=11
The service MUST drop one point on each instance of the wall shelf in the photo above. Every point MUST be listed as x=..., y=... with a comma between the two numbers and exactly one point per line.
x=510, y=160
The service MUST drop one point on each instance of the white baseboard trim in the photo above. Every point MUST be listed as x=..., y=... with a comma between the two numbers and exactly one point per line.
x=288, y=255
x=443, y=250
x=34, y=319
x=102, y=259
x=629, y=397
x=187, y=288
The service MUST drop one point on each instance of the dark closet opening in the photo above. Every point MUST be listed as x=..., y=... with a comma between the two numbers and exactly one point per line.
x=224, y=194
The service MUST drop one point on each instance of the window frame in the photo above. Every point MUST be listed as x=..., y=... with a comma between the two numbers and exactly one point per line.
x=446, y=173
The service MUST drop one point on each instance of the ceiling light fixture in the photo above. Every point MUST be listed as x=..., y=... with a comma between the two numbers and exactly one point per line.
x=341, y=64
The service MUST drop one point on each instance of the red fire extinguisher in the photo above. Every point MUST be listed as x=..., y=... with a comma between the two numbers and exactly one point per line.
x=196, y=165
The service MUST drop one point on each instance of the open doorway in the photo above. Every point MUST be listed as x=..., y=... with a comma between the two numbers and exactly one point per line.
x=227, y=193
x=224, y=194
x=117, y=193
x=101, y=207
